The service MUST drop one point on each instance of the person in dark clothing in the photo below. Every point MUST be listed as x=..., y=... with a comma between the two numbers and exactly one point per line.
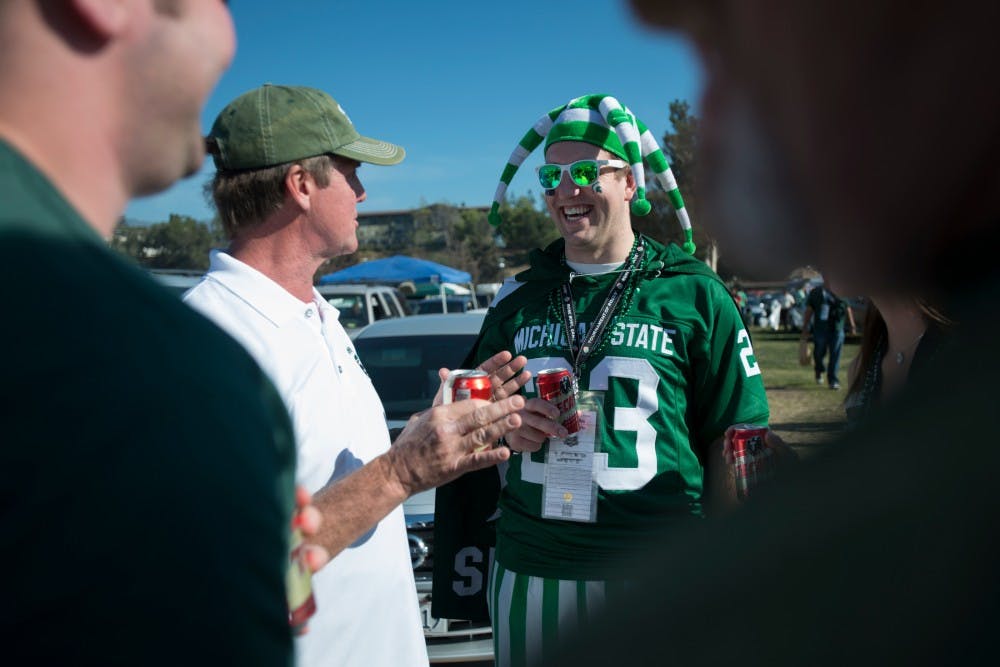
x=827, y=313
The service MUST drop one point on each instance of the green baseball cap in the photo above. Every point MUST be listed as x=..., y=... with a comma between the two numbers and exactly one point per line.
x=273, y=125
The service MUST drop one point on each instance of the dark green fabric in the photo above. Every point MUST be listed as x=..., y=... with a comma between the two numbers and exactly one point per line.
x=146, y=464
x=882, y=550
x=464, y=541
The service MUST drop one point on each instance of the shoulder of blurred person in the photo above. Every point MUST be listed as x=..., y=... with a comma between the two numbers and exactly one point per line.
x=134, y=423
x=883, y=549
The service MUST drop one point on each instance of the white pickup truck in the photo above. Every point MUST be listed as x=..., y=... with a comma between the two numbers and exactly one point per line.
x=360, y=305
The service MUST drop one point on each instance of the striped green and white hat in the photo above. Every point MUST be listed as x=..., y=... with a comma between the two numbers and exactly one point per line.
x=603, y=121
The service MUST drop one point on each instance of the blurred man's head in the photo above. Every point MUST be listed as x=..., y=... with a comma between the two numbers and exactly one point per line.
x=185, y=47
x=107, y=96
x=856, y=134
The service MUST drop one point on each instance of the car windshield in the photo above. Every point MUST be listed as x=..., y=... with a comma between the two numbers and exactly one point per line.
x=404, y=368
x=352, y=309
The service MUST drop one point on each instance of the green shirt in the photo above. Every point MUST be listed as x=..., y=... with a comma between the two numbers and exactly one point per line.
x=677, y=369
x=146, y=463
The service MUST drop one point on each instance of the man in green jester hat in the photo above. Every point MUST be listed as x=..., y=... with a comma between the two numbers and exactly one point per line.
x=663, y=366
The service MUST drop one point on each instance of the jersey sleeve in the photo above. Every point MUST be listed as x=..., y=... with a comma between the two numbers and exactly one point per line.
x=728, y=386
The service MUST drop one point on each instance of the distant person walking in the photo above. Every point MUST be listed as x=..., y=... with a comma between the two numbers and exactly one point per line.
x=827, y=313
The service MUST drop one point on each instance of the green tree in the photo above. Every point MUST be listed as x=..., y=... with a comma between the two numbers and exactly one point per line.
x=525, y=227
x=129, y=240
x=179, y=243
x=681, y=145
x=475, y=239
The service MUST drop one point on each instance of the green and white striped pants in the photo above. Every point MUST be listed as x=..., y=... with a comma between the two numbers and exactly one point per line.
x=531, y=615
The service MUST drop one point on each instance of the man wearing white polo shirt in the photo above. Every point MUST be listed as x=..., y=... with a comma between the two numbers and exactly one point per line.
x=286, y=191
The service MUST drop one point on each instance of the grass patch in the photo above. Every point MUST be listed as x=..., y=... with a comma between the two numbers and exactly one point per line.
x=806, y=415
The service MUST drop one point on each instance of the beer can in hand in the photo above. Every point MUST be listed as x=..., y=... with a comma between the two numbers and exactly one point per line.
x=753, y=460
x=298, y=587
x=555, y=385
x=463, y=384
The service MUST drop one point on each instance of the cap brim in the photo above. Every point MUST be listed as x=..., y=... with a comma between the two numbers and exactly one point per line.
x=364, y=149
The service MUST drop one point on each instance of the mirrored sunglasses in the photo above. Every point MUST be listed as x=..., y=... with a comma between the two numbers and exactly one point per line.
x=582, y=172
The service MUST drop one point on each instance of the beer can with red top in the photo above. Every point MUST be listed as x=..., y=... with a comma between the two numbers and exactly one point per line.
x=753, y=460
x=463, y=384
x=555, y=385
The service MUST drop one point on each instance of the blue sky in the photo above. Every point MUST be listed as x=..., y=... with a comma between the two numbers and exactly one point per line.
x=455, y=83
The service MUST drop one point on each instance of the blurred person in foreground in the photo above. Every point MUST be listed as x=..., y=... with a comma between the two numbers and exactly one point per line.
x=882, y=549
x=144, y=512
x=286, y=189
x=663, y=365
x=901, y=337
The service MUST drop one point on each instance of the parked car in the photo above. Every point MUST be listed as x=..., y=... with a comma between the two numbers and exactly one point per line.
x=433, y=304
x=360, y=305
x=402, y=358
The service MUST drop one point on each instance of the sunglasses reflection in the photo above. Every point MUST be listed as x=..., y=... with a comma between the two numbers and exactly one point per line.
x=583, y=173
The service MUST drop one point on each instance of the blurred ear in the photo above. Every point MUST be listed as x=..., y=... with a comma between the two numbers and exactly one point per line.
x=105, y=18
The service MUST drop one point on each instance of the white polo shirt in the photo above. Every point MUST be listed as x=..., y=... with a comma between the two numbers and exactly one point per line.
x=367, y=611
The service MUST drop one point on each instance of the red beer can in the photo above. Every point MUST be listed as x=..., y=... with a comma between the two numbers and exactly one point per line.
x=753, y=460
x=555, y=385
x=463, y=384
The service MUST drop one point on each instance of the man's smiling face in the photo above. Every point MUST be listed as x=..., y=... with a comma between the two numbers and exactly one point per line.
x=591, y=222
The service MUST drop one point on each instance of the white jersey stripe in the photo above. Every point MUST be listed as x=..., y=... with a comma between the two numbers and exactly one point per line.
x=568, y=620
x=533, y=620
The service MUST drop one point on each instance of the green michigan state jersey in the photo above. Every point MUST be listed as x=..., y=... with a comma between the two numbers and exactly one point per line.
x=676, y=370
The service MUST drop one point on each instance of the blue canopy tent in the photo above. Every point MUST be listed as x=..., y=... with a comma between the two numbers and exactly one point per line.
x=398, y=269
